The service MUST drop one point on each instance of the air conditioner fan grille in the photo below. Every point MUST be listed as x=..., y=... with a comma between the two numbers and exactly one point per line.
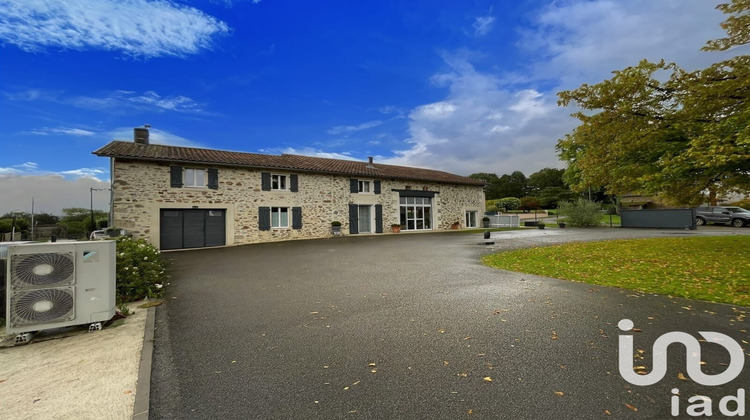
x=44, y=269
x=42, y=306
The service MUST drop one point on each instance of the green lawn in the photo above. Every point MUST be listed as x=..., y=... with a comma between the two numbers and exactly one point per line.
x=716, y=269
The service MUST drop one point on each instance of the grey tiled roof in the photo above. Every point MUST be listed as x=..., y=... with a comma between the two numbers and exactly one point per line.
x=161, y=153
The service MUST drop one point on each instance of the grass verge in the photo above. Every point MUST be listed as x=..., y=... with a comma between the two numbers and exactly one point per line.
x=716, y=269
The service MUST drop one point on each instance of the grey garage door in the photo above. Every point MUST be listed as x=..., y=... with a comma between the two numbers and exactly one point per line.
x=190, y=228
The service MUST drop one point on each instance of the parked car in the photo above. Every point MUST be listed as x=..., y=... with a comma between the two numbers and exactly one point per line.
x=737, y=216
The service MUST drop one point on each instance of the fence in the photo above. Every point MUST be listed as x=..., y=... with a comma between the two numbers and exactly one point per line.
x=504, y=220
x=659, y=218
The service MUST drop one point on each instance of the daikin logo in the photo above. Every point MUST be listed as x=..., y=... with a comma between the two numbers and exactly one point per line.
x=702, y=405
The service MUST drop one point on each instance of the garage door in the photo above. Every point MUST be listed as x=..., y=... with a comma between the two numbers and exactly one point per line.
x=192, y=228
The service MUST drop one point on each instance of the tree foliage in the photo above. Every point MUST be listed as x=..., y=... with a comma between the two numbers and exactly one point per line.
x=508, y=203
x=581, y=213
x=658, y=130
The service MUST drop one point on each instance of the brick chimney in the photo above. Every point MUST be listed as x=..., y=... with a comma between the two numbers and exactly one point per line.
x=140, y=135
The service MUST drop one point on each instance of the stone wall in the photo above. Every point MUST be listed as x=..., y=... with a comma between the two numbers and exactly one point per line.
x=141, y=189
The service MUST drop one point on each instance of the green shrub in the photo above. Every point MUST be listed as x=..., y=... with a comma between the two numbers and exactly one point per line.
x=581, y=213
x=141, y=270
x=508, y=203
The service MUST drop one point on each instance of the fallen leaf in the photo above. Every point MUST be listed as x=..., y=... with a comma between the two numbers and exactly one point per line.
x=128, y=392
x=637, y=330
x=681, y=377
x=560, y=393
x=346, y=388
x=607, y=412
x=487, y=379
x=470, y=412
x=374, y=371
x=356, y=383
x=445, y=363
x=371, y=365
x=631, y=407
x=441, y=331
x=314, y=313
x=463, y=375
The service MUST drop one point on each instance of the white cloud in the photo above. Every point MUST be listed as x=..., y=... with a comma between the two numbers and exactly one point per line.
x=147, y=101
x=64, y=131
x=483, y=126
x=156, y=136
x=138, y=28
x=483, y=25
x=32, y=169
x=348, y=129
x=51, y=193
x=584, y=41
x=308, y=151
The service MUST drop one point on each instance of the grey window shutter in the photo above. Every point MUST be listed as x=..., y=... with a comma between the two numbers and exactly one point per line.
x=293, y=183
x=376, y=187
x=296, y=217
x=264, y=218
x=353, y=218
x=265, y=181
x=213, y=178
x=175, y=176
x=353, y=186
x=378, y=218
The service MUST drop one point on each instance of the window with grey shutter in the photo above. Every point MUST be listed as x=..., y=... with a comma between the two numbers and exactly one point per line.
x=264, y=218
x=353, y=186
x=296, y=217
x=293, y=183
x=376, y=187
x=213, y=178
x=378, y=218
x=265, y=181
x=175, y=176
x=353, y=218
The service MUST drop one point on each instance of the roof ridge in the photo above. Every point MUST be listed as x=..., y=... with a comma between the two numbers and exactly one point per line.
x=284, y=161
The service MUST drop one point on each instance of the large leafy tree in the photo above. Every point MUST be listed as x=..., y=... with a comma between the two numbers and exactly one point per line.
x=673, y=137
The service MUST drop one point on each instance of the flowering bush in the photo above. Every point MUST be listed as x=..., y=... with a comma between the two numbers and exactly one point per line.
x=141, y=270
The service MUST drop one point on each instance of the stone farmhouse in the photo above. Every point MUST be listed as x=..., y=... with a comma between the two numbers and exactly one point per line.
x=181, y=197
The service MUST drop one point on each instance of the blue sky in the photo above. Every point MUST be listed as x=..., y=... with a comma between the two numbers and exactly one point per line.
x=461, y=86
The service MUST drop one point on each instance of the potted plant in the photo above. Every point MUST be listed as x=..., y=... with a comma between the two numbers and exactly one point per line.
x=396, y=228
x=485, y=222
x=336, y=227
x=455, y=225
x=540, y=225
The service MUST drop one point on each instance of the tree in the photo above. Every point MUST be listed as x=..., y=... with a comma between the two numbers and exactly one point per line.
x=673, y=138
x=508, y=203
x=545, y=178
x=513, y=185
x=530, y=203
x=46, y=219
x=492, y=181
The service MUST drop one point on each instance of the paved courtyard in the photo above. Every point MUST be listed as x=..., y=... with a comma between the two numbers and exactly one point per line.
x=413, y=326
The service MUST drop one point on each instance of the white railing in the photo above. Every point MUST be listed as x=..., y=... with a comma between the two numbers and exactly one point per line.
x=505, y=220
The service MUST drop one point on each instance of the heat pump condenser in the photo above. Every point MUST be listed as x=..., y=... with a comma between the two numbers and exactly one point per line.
x=52, y=285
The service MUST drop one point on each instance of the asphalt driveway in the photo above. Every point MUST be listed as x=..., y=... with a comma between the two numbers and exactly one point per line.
x=413, y=326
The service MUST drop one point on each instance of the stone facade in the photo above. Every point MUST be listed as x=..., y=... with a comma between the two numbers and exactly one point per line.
x=141, y=189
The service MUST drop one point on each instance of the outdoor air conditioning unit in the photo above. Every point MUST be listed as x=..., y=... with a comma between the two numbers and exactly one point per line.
x=52, y=285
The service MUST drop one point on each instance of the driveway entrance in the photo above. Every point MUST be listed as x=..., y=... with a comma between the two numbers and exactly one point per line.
x=413, y=326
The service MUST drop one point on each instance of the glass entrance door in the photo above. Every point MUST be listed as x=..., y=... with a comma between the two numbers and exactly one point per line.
x=365, y=219
x=416, y=213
